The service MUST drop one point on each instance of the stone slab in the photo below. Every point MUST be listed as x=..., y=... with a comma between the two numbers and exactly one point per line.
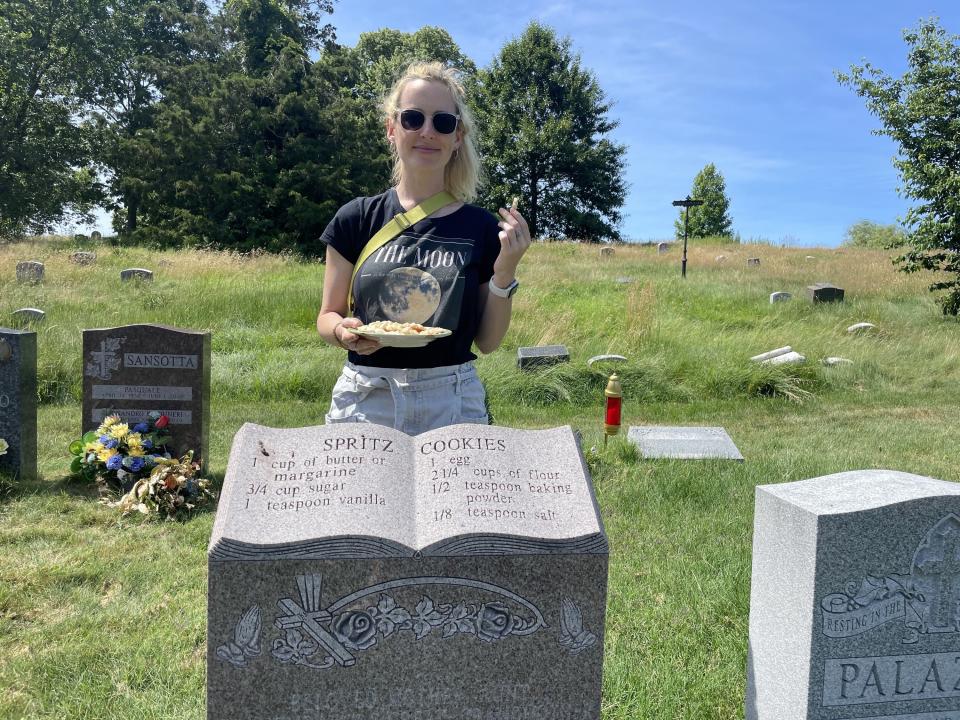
x=683, y=443
x=18, y=402
x=136, y=274
x=824, y=292
x=356, y=572
x=30, y=271
x=83, y=257
x=131, y=370
x=772, y=353
x=789, y=358
x=541, y=356
x=854, y=599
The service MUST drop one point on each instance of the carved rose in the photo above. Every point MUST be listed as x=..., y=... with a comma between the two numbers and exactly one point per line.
x=355, y=629
x=494, y=622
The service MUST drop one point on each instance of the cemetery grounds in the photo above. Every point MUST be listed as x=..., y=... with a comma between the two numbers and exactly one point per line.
x=103, y=617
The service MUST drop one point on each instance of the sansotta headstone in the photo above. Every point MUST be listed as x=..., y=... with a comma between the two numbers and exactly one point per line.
x=30, y=271
x=18, y=403
x=132, y=370
x=855, y=600
x=358, y=572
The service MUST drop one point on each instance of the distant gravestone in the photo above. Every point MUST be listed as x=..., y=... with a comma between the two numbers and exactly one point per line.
x=606, y=252
x=624, y=280
x=663, y=248
x=776, y=297
x=720, y=258
x=753, y=262
x=683, y=443
x=30, y=271
x=824, y=292
x=861, y=327
x=136, y=274
x=18, y=403
x=788, y=358
x=772, y=353
x=854, y=600
x=811, y=257
x=132, y=370
x=83, y=257
x=529, y=358
x=27, y=316
x=95, y=236
x=834, y=361
x=357, y=572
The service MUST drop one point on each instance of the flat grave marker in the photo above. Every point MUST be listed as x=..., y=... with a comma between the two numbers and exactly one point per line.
x=683, y=443
x=776, y=297
x=529, y=358
x=18, y=402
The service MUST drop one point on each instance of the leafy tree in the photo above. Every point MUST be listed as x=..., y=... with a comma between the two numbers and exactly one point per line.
x=543, y=128
x=920, y=111
x=712, y=219
x=868, y=234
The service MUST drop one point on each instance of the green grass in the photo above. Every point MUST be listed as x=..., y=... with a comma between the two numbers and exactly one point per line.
x=105, y=618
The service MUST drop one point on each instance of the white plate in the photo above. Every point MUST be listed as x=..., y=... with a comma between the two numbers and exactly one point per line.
x=397, y=340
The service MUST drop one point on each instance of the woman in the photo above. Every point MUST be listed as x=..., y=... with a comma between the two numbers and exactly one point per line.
x=454, y=269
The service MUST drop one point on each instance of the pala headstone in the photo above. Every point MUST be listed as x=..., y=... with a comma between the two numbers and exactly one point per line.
x=539, y=356
x=855, y=601
x=136, y=274
x=18, y=403
x=132, y=370
x=357, y=572
x=824, y=292
x=27, y=316
x=83, y=257
x=30, y=271
x=683, y=443
x=776, y=297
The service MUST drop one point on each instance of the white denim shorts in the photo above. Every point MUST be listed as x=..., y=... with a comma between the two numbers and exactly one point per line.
x=410, y=400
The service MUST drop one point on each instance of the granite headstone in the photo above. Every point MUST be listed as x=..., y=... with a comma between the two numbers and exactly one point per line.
x=356, y=572
x=606, y=252
x=683, y=443
x=131, y=370
x=136, y=274
x=83, y=257
x=30, y=271
x=26, y=316
x=824, y=292
x=537, y=356
x=96, y=236
x=776, y=297
x=855, y=600
x=753, y=262
x=18, y=403
x=663, y=248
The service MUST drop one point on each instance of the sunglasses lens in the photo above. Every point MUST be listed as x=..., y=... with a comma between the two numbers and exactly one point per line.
x=444, y=123
x=412, y=119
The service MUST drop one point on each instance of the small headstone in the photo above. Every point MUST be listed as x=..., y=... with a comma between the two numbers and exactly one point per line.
x=26, y=316
x=854, y=600
x=811, y=257
x=132, y=370
x=684, y=443
x=624, y=280
x=606, y=252
x=790, y=358
x=825, y=292
x=95, y=236
x=834, y=361
x=83, y=257
x=776, y=297
x=357, y=572
x=30, y=271
x=772, y=353
x=861, y=327
x=663, y=248
x=136, y=274
x=605, y=358
x=753, y=262
x=720, y=258
x=541, y=356
x=18, y=403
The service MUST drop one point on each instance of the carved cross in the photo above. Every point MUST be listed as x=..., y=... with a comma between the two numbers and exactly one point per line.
x=308, y=616
x=947, y=571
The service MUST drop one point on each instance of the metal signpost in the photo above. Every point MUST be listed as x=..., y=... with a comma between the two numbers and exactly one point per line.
x=686, y=205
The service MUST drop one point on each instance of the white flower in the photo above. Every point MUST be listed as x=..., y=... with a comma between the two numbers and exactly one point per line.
x=3, y=446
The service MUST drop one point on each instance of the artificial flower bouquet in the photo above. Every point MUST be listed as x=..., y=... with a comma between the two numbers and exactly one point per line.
x=171, y=491
x=116, y=455
x=3, y=446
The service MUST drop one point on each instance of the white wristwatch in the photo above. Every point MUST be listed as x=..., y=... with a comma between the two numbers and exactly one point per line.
x=506, y=292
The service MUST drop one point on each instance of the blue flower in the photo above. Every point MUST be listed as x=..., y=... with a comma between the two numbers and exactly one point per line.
x=141, y=428
x=147, y=443
x=114, y=463
x=111, y=443
x=104, y=439
x=136, y=464
x=191, y=487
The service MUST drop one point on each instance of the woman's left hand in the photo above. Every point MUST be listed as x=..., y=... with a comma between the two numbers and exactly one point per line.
x=514, y=241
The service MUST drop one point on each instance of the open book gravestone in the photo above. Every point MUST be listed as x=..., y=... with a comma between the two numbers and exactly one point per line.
x=357, y=572
x=855, y=601
x=18, y=403
x=131, y=370
x=683, y=443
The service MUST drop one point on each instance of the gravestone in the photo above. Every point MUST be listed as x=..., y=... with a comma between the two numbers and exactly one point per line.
x=772, y=353
x=825, y=292
x=753, y=262
x=776, y=297
x=663, y=248
x=720, y=258
x=18, y=403
x=624, y=281
x=30, y=271
x=854, y=601
x=861, y=327
x=356, y=572
x=606, y=252
x=83, y=257
x=683, y=443
x=96, y=236
x=136, y=274
x=26, y=316
x=833, y=361
x=787, y=358
x=529, y=358
x=131, y=370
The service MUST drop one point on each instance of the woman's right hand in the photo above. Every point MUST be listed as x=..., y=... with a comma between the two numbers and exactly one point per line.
x=352, y=341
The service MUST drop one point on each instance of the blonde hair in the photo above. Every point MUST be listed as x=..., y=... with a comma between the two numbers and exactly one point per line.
x=462, y=174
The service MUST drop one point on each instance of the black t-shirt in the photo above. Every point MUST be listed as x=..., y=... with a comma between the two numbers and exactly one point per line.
x=430, y=274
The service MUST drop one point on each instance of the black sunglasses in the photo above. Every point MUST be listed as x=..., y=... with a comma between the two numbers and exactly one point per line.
x=443, y=122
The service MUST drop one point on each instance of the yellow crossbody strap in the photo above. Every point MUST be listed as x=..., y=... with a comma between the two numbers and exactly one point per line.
x=399, y=223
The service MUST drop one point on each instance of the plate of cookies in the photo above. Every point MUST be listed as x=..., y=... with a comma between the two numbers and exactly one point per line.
x=400, y=335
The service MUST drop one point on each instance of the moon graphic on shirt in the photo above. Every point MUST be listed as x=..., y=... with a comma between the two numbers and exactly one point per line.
x=409, y=295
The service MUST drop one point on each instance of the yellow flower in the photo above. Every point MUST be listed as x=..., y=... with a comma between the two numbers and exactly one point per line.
x=105, y=454
x=119, y=431
x=136, y=451
x=94, y=446
x=3, y=446
x=108, y=421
